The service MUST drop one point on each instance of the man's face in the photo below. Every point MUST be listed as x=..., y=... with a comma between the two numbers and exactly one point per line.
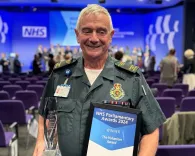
x=94, y=35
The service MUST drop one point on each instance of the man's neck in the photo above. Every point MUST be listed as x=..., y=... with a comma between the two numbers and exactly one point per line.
x=95, y=63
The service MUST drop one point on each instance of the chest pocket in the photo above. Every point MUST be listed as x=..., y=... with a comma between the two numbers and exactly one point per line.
x=65, y=115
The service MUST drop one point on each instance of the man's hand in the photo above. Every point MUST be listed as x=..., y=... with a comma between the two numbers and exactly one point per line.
x=40, y=145
x=39, y=148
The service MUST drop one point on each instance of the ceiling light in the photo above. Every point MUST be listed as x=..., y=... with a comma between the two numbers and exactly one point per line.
x=54, y=1
x=102, y=1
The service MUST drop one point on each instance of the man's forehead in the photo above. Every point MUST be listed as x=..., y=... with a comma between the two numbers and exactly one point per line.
x=98, y=20
x=94, y=15
x=89, y=26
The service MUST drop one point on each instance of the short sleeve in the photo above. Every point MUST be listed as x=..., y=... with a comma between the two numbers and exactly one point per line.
x=152, y=115
x=48, y=92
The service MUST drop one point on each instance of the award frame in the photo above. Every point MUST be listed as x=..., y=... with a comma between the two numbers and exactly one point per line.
x=117, y=108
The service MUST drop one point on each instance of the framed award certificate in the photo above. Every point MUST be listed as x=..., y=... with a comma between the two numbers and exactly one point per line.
x=113, y=131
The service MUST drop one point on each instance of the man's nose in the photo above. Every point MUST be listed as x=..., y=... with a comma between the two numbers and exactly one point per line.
x=94, y=38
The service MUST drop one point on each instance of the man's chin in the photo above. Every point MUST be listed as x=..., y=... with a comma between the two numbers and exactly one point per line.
x=94, y=55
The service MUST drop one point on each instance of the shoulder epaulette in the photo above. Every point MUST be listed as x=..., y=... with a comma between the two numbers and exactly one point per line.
x=127, y=66
x=63, y=63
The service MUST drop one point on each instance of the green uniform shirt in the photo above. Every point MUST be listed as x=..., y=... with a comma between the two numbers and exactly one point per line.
x=72, y=112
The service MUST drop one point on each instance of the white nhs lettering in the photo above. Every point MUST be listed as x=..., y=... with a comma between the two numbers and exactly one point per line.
x=100, y=113
x=34, y=32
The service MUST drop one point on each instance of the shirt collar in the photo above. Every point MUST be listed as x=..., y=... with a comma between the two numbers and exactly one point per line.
x=109, y=72
x=79, y=70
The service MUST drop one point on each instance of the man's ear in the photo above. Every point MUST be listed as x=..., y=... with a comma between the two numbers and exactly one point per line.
x=111, y=35
x=77, y=35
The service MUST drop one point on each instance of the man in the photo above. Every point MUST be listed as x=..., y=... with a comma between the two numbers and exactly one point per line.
x=146, y=60
x=57, y=49
x=139, y=52
x=51, y=63
x=52, y=50
x=45, y=59
x=17, y=65
x=4, y=62
x=68, y=50
x=68, y=58
x=76, y=54
x=135, y=56
x=92, y=79
x=189, y=69
x=39, y=49
x=169, y=68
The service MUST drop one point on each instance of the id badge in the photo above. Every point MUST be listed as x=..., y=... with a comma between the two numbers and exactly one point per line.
x=62, y=90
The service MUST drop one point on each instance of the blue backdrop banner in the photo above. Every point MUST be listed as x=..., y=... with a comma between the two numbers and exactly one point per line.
x=30, y=30
x=128, y=30
x=163, y=31
x=5, y=32
x=62, y=25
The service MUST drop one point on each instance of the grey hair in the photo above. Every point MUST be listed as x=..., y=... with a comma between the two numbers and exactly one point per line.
x=94, y=9
x=189, y=53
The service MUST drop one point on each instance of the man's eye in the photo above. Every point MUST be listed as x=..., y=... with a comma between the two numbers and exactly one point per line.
x=86, y=31
x=102, y=32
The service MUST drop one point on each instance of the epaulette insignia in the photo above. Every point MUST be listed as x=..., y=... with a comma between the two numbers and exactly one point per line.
x=57, y=65
x=127, y=66
x=63, y=63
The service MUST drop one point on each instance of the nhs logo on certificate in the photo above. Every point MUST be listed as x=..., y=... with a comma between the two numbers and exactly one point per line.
x=113, y=132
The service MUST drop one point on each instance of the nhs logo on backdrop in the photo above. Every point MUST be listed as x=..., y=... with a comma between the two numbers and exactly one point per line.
x=34, y=32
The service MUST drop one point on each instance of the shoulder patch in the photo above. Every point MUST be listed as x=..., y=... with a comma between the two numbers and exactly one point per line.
x=127, y=66
x=63, y=63
x=57, y=65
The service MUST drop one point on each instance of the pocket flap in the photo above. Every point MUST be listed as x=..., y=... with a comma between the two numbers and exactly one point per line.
x=65, y=105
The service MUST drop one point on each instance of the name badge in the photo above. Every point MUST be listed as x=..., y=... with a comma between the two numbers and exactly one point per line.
x=62, y=90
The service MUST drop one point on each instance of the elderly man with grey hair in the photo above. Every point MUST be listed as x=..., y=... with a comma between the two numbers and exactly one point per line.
x=94, y=78
x=189, y=69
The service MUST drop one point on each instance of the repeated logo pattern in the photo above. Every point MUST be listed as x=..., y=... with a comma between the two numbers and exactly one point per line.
x=3, y=30
x=160, y=29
